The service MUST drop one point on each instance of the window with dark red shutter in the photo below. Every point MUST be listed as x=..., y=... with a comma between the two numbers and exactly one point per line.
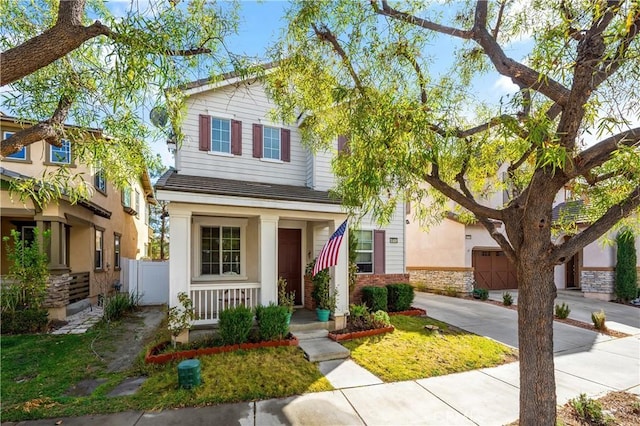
x=236, y=137
x=285, y=143
x=343, y=143
x=378, y=252
x=205, y=133
x=257, y=140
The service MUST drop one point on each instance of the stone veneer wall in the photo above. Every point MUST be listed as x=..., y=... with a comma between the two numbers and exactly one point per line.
x=375, y=280
x=598, y=282
x=57, y=291
x=442, y=279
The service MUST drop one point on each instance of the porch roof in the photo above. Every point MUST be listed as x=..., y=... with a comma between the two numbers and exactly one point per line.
x=173, y=181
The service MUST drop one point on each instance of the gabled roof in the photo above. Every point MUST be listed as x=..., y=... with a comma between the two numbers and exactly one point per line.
x=571, y=211
x=173, y=181
x=222, y=80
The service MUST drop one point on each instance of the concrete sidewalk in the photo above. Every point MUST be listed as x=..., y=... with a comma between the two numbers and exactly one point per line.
x=585, y=362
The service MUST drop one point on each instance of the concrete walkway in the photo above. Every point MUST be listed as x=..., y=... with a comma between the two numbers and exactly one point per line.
x=585, y=361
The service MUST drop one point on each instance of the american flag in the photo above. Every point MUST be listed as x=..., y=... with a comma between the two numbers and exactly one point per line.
x=329, y=254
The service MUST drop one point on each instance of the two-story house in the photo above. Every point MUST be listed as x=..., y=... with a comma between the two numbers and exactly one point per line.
x=249, y=204
x=89, y=240
x=452, y=255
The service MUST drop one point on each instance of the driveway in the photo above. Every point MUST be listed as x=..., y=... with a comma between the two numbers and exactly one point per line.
x=501, y=324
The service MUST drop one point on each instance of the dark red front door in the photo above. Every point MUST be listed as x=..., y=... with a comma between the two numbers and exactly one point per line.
x=289, y=264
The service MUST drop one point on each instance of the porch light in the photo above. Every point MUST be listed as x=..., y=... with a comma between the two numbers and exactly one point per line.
x=171, y=143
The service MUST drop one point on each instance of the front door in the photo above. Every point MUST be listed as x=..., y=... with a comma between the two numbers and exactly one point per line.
x=289, y=262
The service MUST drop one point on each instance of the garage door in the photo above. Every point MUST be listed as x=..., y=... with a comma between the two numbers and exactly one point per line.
x=493, y=271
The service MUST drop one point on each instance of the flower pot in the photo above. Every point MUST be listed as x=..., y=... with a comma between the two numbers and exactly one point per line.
x=289, y=318
x=323, y=314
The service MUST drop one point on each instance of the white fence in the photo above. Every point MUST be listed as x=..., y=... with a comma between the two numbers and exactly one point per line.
x=149, y=280
x=209, y=301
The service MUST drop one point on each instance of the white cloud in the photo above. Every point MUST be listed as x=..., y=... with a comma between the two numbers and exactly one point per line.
x=503, y=85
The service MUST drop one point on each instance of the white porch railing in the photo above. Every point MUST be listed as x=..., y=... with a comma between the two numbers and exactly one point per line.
x=209, y=300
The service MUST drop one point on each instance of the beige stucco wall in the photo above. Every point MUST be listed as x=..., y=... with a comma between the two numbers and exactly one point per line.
x=440, y=245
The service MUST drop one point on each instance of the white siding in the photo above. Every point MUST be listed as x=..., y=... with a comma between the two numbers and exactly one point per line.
x=323, y=174
x=250, y=105
x=394, y=252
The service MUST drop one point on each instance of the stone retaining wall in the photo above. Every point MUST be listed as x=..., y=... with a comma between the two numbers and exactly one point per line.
x=598, y=283
x=442, y=279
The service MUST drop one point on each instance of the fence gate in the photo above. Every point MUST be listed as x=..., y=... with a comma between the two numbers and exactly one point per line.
x=149, y=280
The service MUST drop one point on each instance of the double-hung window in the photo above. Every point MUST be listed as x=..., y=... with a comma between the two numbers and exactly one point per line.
x=220, y=135
x=220, y=250
x=116, y=251
x=60, y=154
x=271, y=141
x=100, y=182
x=126, y=196
x=364, y=256
x=18, y=155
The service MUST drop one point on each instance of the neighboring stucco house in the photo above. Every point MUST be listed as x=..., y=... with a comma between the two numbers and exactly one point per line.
x=90, y=239
x=249, y=204
x=452, y=255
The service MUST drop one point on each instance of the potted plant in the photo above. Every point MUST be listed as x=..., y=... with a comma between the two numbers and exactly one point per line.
x=180, y=319
x=285, y=298
x=325, y=300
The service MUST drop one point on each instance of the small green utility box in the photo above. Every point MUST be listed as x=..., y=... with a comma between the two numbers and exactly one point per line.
x=189, y=373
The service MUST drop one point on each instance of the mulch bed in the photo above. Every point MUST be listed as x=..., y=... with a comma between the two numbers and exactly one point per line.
x=568, y=321
x=155, y=355
x=346, y=334
x=413, y=312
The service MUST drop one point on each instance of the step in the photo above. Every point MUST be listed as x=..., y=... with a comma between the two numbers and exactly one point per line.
x=311, y=334
x=79, y=306
x=316, y=325
x=317, y=350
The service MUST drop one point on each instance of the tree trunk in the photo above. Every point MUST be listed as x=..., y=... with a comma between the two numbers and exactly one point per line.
x=536, y=294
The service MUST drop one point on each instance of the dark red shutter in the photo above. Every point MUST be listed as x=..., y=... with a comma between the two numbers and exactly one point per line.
x=378, y=252
x=236, y=137
x=257, y=141
x=342, y=143
x=205, y=133
x=285, y=144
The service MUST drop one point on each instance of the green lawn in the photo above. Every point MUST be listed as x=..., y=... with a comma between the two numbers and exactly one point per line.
x=411, y=352
x=37, y=370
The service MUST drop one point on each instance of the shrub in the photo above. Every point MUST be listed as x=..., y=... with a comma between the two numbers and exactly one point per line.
x=381, y=319
x=507, y=299
x=23, y=321
x=359, y=317
x=451, y=291
x=375, y=297
x=626, y=272
x=180, y=317
x=358, y=311
x=588, y=410
x=235, y=325
x=599, y=319
x=272, y=322
x=116, y=306
x=562, y=311
x=399, y=297
x=481, y=293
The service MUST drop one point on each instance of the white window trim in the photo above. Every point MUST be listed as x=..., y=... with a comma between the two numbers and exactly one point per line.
x=279, y=131
x=373, y=252
x=223, y=115
x=5, y=135
x=196, y=233
x=220, y=117
x=52, y=160
x=271, y=160
x=99, y=248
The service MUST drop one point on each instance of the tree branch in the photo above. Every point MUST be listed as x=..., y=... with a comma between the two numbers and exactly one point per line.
x=477, y=209
x=597, y=228
x=420, y=22
x=402, y=51
x=499, y=238
x=327, y=36
x=496, y=29
x=601, y=152
x=49, y=131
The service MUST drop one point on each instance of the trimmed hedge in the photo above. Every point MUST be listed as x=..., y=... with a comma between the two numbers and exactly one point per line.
x=235, y=325
x=375, y=298
x=400, y=297
x=272, y=322
x=24, y=321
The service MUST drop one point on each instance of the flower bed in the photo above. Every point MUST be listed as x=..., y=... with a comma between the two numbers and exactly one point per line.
x=413, y=312
x=155, y=355
x=345, y=334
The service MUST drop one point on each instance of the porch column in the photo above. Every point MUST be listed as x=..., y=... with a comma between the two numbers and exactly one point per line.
x=268, y=259
x=179, y=255
x=341, y=274
x=58, y=246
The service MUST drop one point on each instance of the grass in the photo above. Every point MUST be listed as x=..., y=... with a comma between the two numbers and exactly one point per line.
x=411, y=352
x=38, y=369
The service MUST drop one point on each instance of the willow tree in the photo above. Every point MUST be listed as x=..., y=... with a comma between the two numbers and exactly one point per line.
x=374, y=71
x=78, y=62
